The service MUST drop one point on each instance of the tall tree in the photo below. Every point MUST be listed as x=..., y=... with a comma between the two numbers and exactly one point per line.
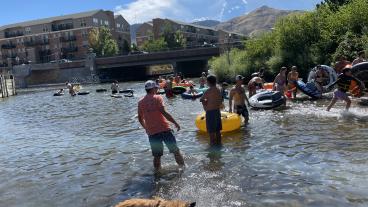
x=102, y=42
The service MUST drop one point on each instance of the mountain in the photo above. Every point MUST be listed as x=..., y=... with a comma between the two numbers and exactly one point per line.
x=258, y=21
x=207, y=23
x=133, y=32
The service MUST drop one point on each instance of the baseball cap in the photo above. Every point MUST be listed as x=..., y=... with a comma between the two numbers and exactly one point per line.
x=239, y=77
x=150, y=84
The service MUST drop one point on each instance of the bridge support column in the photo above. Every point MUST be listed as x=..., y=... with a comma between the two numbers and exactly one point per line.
x=91, y=65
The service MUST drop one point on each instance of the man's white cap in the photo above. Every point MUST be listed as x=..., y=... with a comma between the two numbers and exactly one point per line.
x=150, y=84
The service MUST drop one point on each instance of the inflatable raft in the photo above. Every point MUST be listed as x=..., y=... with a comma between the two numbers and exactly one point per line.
x=191, y=96
x=101, y=90
x=179, y=90
x=116, y=96
x=58, y=94
x=360, y=71
x=83, y=93
x=230, y=122
x=327, y=81
x=267, y=100
x=127, y=91
x=309, y=89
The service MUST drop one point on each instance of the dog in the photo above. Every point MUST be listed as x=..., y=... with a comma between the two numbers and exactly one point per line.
x=155, y=202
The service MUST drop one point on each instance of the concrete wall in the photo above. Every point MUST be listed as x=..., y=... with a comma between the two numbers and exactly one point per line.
x=39, y=77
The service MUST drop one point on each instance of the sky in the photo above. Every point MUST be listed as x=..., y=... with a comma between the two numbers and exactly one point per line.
x=138, y=11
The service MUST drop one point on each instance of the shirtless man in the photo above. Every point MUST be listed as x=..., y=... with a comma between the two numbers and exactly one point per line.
x=212, y=102
x=237, y=94
x=341, y=64
x=255, y=84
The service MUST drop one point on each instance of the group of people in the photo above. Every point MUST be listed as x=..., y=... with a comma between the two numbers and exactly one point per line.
x=154, y=117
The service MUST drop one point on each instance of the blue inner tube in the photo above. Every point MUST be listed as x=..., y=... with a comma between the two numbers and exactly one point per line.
x=127, y=91
x=58, y=94
x=83, y=93
x=191, y=96
x=309, y=89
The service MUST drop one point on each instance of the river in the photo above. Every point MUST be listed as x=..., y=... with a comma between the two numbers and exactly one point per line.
x=91, y=151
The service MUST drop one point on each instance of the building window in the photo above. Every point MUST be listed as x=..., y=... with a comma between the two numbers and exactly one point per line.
x=45, y=29
x=24, y=49
x=106, y=23
x=118, y=25
x=95, y=20
x=84, y=33
x=101, y=22
x=28, y=30
x=47, y=47
x=83, y=23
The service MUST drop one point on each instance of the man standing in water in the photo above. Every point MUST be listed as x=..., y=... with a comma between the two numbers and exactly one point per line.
x=154, y=118
x=237, y=94
x=212, y=103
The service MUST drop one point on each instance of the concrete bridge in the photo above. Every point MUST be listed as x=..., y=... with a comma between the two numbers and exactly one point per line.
x=191, y=62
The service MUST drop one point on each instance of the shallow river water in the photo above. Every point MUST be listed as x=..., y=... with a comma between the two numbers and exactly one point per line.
x=91, y=151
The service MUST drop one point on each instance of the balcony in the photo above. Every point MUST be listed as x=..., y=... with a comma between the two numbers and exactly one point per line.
x=68, y=39
x=36, y=42
x=13, y=34
x=69, y=49
x=59, y=27
x=8, y=46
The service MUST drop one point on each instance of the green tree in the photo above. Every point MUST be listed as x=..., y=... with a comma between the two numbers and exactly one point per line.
x=126, y=47
x=155, y=45
x=134, y=47
x=174, y=39
x=102, y=42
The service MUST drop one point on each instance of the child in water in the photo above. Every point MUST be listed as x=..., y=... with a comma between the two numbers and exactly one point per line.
x=192, y=91
x=343, y=84
x=292, y=77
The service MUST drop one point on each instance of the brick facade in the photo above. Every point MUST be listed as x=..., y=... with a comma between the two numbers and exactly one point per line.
x=63, y=37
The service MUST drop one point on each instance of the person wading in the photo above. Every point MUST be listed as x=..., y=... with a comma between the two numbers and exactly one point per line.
x=154, y=118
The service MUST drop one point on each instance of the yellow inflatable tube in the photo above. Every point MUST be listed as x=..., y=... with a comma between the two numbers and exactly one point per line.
x=230, y=122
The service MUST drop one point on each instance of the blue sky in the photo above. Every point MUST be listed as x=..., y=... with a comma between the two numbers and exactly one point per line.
x=137, y=11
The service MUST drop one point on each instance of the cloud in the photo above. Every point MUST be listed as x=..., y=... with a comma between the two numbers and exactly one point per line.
x=140, y=11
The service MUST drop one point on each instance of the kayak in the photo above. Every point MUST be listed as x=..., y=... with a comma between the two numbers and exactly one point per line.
x=328, y=81
x=309, y=89
x=179, y=90
x=83, y=93
x=101, y=90
x=58, y=94
x=230, y=122
x=266, y=100
x=360, y=71
x=191, y=96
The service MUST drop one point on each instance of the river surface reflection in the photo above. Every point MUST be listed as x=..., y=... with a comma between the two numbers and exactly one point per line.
x=91, y=151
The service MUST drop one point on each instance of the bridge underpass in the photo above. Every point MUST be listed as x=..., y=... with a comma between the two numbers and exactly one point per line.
x=190, y=62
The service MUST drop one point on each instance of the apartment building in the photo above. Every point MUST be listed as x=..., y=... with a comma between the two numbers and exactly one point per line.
x=195, y=35
x=61, y=37
x=144, y=33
